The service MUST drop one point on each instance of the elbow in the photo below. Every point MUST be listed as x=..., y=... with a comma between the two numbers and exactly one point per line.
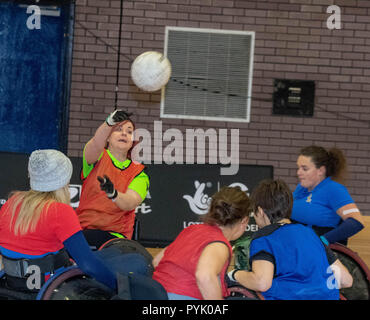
x=125, y=206
x=254, y=281
x=262, y=285
x=262, y=282
x=206, y=280
x=127, y=202
x=209, y=285
x=202, y=278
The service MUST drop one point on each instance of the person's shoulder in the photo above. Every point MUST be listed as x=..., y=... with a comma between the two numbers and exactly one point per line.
x=338, y=184
x=298, y=227
x=331, y=184
x=265, y=231
x=198, y=228
x=143, y=169
x=61, y=207
x=137, y=164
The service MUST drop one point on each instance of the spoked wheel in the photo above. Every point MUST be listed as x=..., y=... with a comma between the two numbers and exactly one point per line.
x=73, y=284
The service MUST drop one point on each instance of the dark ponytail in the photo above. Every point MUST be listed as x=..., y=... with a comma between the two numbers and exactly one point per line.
x=228, y=206
x=337, y=165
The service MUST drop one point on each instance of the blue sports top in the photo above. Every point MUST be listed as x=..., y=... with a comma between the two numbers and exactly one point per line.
x=301, y=263
x=318, y=207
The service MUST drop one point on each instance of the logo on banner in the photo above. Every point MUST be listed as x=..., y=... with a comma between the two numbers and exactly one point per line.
x=199, y=202
x=242, y=186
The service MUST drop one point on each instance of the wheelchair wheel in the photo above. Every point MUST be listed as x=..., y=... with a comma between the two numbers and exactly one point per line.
x=73, y=284
x=360, y=289
x=130, y=246
x=240, y=292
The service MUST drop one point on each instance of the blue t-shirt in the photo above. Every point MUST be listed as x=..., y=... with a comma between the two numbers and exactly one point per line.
x=301, y=263
x=318, y=207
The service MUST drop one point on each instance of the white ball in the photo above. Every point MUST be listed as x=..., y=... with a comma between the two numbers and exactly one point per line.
x=151, y=71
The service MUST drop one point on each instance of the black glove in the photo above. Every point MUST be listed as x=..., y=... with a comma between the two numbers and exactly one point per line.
x=117, y=116
x=107, y=186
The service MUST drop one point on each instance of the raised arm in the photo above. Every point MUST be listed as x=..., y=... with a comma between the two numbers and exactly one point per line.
x=96, y=144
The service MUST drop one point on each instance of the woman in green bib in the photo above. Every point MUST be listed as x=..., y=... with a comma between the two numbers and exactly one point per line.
x=113, y=184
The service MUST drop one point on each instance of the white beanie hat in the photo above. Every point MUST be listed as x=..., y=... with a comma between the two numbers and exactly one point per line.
x=49, y=170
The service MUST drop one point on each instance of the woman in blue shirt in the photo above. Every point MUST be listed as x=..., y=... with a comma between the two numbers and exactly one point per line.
x=321, y=201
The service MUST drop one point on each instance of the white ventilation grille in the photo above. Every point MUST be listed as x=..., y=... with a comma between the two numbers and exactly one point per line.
x=211, y=74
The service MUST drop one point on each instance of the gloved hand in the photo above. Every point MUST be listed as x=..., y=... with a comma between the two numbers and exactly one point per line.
x=107, y=186
x=117, y=116
x=230, y=275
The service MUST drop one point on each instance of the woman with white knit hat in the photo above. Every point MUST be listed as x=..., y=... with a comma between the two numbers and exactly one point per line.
x=36, y=226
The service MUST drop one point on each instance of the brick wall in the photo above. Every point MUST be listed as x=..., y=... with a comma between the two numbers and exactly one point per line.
x=292, y=42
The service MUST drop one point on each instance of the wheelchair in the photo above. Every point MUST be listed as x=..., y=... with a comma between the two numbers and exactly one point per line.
x=72, y=284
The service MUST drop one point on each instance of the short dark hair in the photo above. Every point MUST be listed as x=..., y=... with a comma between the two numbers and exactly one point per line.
x=274, y=197
x=228, y=206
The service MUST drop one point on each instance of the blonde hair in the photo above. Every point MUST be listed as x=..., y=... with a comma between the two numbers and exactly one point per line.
x=32, y=205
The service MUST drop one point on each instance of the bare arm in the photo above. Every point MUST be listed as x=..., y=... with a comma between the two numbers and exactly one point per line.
x=350, y=211
x=210, y=264
x=158, y=257
x=126, y=201
x=259, y=279
x=96, y=144
x=129, y=200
